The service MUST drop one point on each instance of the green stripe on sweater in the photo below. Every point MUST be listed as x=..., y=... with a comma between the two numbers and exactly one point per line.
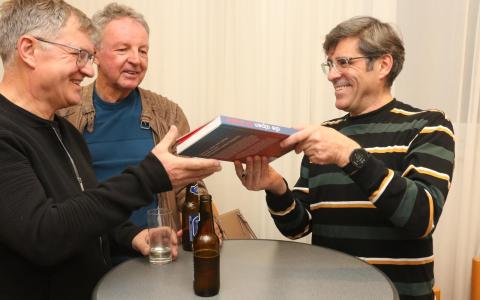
x=372, y=128
x=434, y=150
x=414, y=289
x=405, y=208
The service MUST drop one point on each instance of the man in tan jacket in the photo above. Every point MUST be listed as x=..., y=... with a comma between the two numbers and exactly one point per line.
x=119, y=120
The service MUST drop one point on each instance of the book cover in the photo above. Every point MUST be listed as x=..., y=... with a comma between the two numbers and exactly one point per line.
x=229, y=139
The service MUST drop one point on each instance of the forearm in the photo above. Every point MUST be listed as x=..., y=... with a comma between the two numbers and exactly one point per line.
x=289, y=213
x=412, y=200
x=63, y=215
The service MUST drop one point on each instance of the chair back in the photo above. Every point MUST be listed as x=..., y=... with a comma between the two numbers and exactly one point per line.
x=436, y=292
x=475, y=286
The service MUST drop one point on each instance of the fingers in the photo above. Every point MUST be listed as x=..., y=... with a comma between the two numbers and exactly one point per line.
x=294, y=139
x=239, y=169
x=264, y=167
x=141, y=242
x=257, y=170
x=169, y=138
x=182, y=170
x=144, y=249
x=174, y=244
x=248, y=172
x=195, y=163
x=299, y=147
x=257, y=174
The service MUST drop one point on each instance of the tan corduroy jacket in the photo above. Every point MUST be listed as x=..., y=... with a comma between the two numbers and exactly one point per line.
x=158, y=114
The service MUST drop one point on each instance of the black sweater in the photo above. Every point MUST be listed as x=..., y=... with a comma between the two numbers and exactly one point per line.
x=53, y=242
x=385, y=213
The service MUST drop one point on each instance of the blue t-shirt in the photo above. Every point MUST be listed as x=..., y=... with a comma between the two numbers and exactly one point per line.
x=118, y=141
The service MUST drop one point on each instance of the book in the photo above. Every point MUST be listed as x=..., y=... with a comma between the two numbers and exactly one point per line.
x=229, y=139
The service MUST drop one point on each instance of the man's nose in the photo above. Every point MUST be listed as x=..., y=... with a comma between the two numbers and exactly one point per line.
x=88, y=69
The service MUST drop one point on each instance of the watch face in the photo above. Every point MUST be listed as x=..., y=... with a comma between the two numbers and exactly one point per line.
x=359, y=158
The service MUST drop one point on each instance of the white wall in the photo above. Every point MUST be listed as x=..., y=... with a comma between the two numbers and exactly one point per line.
x=440, y=40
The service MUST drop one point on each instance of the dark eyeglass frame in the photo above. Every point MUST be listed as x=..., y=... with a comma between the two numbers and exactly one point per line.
x=83, y=56
x=340, y=63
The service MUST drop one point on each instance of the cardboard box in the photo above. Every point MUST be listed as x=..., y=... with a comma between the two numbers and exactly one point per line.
x=234, y=226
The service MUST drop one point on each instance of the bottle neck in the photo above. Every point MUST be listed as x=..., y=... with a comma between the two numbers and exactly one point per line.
x=206, y=216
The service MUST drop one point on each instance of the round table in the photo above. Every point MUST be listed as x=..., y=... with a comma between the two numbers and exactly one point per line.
x=254, y=269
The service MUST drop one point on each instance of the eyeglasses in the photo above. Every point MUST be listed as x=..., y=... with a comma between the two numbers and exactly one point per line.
x=83, y=56
x=340, y=63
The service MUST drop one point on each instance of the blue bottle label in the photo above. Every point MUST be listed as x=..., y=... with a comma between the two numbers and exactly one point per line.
x=193, y=220
x=194, y=189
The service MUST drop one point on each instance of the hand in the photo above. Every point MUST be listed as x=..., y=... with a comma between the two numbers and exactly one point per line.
x=182, y=170
x=141, y=242
x=259, y=175
x=322, y=145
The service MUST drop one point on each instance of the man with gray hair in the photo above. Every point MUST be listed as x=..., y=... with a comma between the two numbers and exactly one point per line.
x=373, y=182
x=55, y=218
x=119, y=120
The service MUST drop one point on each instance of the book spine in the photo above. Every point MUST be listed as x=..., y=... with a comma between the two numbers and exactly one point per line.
x=257, y=125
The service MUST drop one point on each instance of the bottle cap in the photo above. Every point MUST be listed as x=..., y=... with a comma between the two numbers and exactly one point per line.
x=205, y=197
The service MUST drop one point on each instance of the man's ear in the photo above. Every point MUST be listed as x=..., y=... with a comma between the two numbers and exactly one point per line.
x=27, y=50
x=385, y=65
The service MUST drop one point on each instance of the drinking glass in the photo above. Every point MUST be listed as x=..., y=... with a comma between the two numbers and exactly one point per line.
x=161, y=234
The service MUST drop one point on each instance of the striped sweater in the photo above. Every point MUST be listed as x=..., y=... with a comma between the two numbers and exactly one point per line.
x=385, y=213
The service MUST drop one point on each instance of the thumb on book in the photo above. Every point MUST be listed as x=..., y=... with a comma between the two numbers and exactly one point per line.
x=169, y=138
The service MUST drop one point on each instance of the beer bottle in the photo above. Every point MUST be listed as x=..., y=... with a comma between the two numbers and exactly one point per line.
x=206, y=253
x=190, y=216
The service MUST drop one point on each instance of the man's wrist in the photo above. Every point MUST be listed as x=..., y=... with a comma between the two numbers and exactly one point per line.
x=279, y=187
x=358, y=159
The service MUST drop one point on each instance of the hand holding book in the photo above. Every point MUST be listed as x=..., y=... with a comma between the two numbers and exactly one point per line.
x=259, y=175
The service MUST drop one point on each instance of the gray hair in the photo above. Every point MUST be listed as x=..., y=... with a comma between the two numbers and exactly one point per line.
x=376, y=39
x=37, y=17
x=115, y=11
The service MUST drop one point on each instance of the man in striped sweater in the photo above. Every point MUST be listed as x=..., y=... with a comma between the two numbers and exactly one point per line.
x=372, y=183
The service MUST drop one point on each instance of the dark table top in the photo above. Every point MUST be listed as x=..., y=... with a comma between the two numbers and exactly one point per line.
x=254, y=269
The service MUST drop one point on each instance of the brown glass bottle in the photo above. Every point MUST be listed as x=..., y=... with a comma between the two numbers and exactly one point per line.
x=190, y=216
x=206, y=253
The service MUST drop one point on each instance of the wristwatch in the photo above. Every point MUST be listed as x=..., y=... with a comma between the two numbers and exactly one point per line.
x=357, y=160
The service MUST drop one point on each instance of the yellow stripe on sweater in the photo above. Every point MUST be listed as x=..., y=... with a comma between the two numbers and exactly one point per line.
x=342, y=204
x=405, y=112
x=283, y=212
x=438, y=128
x=376, y=194
x=388, y=149
x=430, y=217
x=428, y=171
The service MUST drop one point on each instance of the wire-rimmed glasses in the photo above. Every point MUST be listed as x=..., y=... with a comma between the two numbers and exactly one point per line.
x=83, y=56
x=340, y=63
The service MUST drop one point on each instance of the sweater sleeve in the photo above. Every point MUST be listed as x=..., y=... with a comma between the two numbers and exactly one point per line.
x=291, y=211
x=121, y=239
x=413, y=198
x=47, y=226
